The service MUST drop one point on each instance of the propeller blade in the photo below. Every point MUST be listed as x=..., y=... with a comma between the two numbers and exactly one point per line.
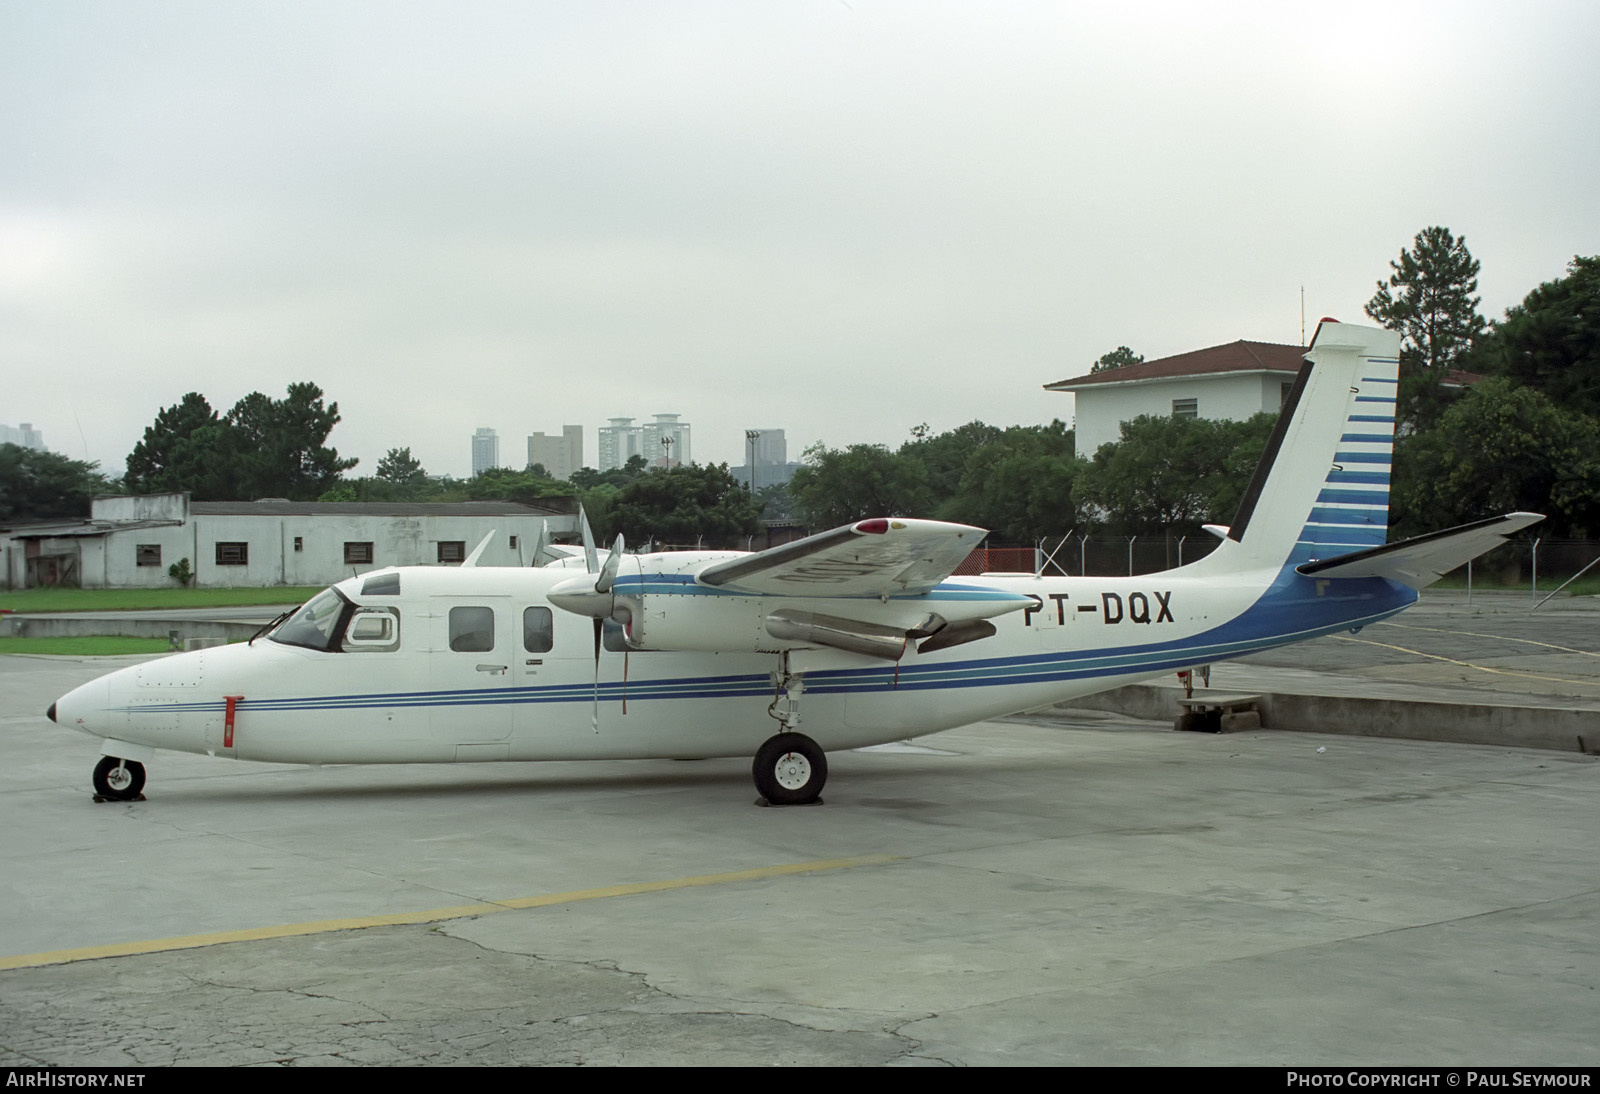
x=594, y=717
x=591, y=558
x=608, y=572
x=540, y=542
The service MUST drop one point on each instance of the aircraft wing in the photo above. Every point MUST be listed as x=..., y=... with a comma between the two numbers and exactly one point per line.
x=1421, y=561
x=880, y=557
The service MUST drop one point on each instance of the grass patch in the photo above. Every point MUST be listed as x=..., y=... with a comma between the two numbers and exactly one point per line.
x=110, y=600
x=93, y=645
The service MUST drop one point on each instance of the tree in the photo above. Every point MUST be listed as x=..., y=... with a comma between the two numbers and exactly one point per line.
x=1117, y=358
x=185, y=448
x=523, y=487
x=838, y=486
x=277, y=445
x=400, y=467
x=1023, y=487
x=587, y=478
x=1551, y=341
x=1429, y=300
x=41, y=485
x=684, y=504
x=1500, y=449
x=263, y=448
x=945, y=456
x=1174, y=472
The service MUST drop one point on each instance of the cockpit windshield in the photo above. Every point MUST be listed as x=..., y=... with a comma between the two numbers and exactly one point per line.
x=317, y=624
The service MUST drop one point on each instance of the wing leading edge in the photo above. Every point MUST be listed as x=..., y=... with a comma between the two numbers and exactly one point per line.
x=1421, y=561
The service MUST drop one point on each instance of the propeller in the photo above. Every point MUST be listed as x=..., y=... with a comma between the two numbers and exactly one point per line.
x=592, y=595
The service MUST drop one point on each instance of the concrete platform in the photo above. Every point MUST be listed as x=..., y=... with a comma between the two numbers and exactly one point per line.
x=1084, y=889
x=1488, y=671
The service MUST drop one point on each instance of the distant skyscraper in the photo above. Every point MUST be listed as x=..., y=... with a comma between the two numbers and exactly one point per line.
x=771, y=459
x=485, y=450
x=617, y=443
x=652, y=435
x=25, y=437
x=562, y=455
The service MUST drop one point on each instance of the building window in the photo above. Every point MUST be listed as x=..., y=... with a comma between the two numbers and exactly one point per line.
x=233, y=554
x=357, y=554
x=299, y=543
x=513, y=543
x=1185, y=408
x=452, y=550
x=149, y=554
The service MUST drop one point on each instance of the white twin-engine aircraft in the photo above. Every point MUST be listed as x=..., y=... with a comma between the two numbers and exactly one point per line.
x=862, y=629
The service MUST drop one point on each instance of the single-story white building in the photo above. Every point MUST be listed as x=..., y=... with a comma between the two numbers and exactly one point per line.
x=131, y=541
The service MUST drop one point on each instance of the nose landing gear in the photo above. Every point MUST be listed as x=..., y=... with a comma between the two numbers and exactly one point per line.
x=118, y=780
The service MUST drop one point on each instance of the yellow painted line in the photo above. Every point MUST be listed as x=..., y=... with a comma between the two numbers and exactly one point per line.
x=432, y=915
x=1469, y=664
x=1497, y=637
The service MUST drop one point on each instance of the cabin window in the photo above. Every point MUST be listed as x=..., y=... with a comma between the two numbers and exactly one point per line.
x=233, y=554
x=357, y=554
x=538, y=630
x=1185, y=408
x=373, y=630
x=472, y=630
x=148, y=554
x=453, y=550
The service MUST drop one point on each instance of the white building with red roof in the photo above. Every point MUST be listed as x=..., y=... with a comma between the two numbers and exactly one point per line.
x=1229, y=382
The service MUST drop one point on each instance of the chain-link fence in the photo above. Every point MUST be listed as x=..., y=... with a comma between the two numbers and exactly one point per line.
x=1515, y=564
x=1098, y=555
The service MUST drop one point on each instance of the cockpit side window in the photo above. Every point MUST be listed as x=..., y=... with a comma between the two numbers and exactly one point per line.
x=318, y=623
x=373, y=630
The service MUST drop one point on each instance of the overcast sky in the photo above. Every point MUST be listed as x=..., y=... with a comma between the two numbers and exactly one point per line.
x=836, y=218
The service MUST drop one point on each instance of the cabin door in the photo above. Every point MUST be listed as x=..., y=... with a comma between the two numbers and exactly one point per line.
x=471, y=692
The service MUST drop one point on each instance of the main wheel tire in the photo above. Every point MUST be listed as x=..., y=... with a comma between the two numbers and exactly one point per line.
x=118, y=780
x=790, y=769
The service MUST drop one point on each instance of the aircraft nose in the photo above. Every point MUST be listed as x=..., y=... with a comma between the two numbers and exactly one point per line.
x=51, y=713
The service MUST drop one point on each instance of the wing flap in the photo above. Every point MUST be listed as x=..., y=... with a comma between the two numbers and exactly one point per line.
x=1421, y=561
x=882, y=557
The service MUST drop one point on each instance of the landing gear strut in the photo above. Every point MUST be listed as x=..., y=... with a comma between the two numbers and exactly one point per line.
x=790, y=768
x=118, y=780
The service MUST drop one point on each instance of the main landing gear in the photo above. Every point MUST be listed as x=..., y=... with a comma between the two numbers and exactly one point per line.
x=790, y=768
x=118, y=780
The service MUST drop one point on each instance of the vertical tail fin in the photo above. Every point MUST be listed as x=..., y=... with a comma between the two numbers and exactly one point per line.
x=1322, y=487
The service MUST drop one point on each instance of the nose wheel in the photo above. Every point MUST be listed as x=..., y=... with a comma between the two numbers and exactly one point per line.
x=118, y=780
x=790, y=769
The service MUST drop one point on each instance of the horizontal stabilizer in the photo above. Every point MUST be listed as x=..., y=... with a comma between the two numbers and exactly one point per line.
x=1421, y=561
